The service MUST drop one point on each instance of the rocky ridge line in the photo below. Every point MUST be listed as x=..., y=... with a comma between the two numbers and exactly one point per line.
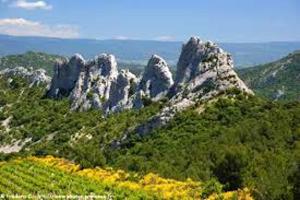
x=98, y=84
x=204, y=71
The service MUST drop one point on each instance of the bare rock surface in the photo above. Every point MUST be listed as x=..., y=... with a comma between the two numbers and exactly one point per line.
x=15, y=146
x=66, y=73
x=93, y=85
x=157, y=78
x=99, y=85
x=34, y=77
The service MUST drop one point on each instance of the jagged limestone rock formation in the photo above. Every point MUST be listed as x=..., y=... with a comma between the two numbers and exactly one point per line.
x=121, y=91
x=157, y=78
x=65, y=76
x=93, y=84
x=98, y=84
x=34, y=77
x=192, y=54
x=92, y=88
x=203, y=72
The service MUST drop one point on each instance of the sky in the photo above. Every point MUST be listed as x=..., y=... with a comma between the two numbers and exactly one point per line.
x=167, y=20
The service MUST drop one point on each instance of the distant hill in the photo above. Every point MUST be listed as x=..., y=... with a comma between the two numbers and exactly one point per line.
x=125, y=50
x=30, y=59
x=139, y=51
x=276, y=80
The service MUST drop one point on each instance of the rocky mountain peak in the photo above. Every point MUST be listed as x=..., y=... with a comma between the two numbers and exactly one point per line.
x=107, y=65
x=191, y=55
x=196, y=57
x=156, y=79
x=66, y=73
x=204, y=71
x=76, y=59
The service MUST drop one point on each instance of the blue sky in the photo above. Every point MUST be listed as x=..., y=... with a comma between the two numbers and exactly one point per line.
x=218, y=20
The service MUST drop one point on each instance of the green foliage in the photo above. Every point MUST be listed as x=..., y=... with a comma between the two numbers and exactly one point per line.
x=132, y=87
x=211, y=187
x=146, y=101
x=229, y=166
x=89, y=95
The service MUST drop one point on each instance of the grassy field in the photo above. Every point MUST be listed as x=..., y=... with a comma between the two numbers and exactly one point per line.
x=34, y=180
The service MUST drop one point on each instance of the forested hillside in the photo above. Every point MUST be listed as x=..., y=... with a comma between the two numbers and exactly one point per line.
x=239, y=140
x=277, y=80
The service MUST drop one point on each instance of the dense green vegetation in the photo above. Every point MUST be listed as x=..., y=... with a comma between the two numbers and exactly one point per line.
x=244, y=142
x=241, y=142
x=30, y=59
x=54, y=129
x=276, y=80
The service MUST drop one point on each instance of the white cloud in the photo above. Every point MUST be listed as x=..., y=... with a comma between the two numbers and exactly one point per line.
x=165, y=38
x=121, y=37
x=29, y=5
x=24, y=27
x=17, y=22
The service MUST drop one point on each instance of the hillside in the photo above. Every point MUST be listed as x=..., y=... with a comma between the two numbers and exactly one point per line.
x=30, y=59
x=54, y=176
x=277, y=80
x=241, y=142
x=138, y=51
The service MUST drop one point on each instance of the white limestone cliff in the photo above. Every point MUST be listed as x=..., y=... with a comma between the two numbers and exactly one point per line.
x=156, y=79
x=65, y=76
